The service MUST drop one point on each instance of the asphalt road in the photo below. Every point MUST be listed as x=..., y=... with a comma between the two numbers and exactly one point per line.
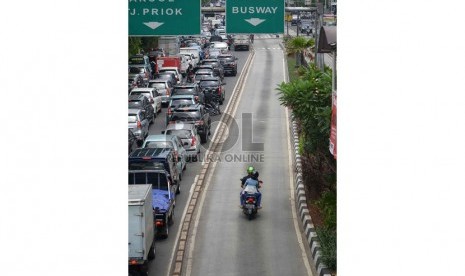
x=227, y=243
x=160, y=266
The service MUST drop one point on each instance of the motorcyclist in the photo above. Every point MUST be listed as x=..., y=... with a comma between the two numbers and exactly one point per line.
x=250, y=171
x=252, y=181
x=211, y=101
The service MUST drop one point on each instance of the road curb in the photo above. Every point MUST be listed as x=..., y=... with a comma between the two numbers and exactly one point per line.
x=301, y=198
x=301, y=205
x=215, y=146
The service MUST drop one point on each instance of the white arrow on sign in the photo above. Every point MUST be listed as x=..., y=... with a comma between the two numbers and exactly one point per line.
x=153, y=25
x=255, y=21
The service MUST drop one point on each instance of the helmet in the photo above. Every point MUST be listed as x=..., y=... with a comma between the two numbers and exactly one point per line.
x=250, y=170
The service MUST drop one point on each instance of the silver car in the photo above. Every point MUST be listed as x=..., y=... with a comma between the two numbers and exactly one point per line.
x=189, y=137
x=163, y=88
x=138, y=124
x=152, y=94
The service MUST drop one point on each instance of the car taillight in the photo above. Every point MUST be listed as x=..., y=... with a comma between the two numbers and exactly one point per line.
x=151, y=100
x=193, y=141
x=169, y=111
x=219, y=90
x=168, y=91
x=176, y=155
x=139, y=125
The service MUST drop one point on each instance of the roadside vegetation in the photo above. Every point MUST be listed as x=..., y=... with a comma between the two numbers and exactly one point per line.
x=137, y=44
x=308, y=95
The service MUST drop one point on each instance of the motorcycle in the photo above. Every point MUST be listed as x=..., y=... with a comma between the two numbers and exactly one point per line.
x=250, y=207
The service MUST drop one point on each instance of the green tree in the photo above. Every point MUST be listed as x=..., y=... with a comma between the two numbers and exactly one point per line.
x=297, y=45
x=134, y=45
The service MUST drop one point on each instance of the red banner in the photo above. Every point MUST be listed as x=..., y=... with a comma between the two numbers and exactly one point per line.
x=333, y=135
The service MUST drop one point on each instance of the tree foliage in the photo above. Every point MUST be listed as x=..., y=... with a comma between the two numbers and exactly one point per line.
x=134, y=45
x=310, y=100
x=297, y=45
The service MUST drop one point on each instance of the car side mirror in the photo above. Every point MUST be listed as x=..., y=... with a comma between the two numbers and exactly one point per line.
x=237, y=58
x=185, y=144
x=224, y=82
x=162, y=132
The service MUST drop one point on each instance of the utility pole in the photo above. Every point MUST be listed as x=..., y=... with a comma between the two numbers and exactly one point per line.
x=319, y=22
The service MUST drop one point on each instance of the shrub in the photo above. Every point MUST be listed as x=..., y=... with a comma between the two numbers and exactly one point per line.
x=328, y=240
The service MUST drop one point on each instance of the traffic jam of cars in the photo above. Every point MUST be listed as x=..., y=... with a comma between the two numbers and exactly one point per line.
x=187, y=81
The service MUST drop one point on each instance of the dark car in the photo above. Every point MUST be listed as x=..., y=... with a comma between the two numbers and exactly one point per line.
x=149, y=156
x=167, y=75
x=213, y=83
x=216, y=65
x=142, y=69
x=132, y=141
x=229, y=63
x=142, y=102
x=203, y=73
x=188, y=89
x=196, y=114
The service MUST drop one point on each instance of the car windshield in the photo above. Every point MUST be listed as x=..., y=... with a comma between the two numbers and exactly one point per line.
x=158, y=144
x=158, y=85
x=181, y=133
x=136, y=60
x=166, y=71
x=134, y=104
x=209, y=83
x=136, y=70
x=164, y=75
x=184, y=90
x=226, y=59
x=213, y=63
x=180, y=102
x=186, y=116
x=158, y=180
x=132, y=118
x=146, y=94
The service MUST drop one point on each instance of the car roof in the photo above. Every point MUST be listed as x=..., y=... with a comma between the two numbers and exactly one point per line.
x=174, y=97
x=159, y=81
x=135, y=97
x=134, y=110
x=159, y=137
x=150, y=152
x=185, y=86
x=143, y=89
x=138, y=65
x=191, y=107
x=176, y=126
x=210, y=79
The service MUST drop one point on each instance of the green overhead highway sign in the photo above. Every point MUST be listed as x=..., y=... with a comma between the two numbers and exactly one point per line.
x=254, y=16
x=164, y=17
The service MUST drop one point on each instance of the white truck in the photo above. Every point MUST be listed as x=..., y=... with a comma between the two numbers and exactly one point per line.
x=170, y=44
x=141, y=241
x=194, y=52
